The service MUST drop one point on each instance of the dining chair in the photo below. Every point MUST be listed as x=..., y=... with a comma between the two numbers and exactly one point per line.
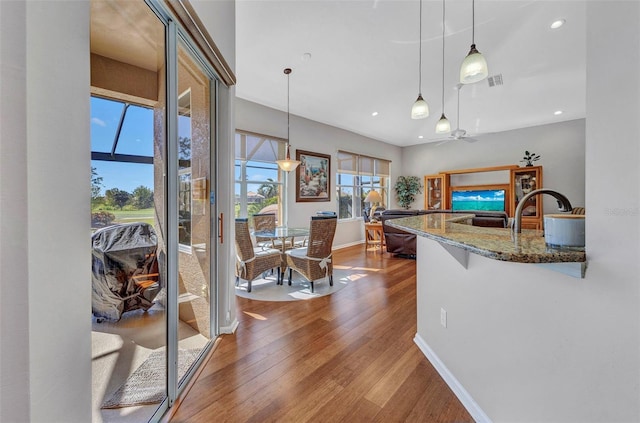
x=264, y=222
x=319, y=215
x=313, y=262
x=252, y=262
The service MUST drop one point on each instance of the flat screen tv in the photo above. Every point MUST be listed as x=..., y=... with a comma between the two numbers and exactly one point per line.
x=478, y=199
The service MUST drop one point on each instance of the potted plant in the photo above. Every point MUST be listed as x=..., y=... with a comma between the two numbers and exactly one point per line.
x=529, y=158
x=406, y=189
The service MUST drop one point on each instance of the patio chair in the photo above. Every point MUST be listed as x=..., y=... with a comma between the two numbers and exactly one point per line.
x=252, y=262
x=313, y=262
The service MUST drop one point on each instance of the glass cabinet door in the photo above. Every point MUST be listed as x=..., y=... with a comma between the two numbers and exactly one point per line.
x=435, y=188
x=523, y=181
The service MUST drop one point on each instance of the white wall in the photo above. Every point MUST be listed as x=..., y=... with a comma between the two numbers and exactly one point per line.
x=14, y=288
x=561, y=145
x=219, y=18
x=45, y=255
x=313, y=136
x=532, y=345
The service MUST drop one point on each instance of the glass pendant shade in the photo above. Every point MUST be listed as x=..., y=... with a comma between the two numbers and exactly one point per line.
x=474, y=67
x=420, y=109
x=443, y=126
x=287, y=164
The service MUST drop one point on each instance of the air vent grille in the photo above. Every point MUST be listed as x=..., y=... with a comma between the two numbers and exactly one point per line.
x=495, y=80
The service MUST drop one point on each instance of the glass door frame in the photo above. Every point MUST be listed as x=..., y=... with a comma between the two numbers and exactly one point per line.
x=173, y=34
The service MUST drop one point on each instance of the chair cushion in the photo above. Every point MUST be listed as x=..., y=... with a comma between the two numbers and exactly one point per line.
x=265, y=252
x=297, y=252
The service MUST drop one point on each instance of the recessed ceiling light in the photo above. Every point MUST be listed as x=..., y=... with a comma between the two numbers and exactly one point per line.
x=557, y=112
x=374, y=114
x=420, y=136
x=557, y=23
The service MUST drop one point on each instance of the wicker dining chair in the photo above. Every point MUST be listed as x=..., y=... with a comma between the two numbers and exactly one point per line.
x=313, y=262
x=264, y=222
x=252, y=262
x=319, y=215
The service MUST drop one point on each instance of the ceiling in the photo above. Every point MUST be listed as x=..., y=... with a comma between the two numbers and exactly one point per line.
x=364, y=58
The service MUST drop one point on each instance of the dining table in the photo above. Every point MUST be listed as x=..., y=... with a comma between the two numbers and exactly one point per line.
x=284, y=239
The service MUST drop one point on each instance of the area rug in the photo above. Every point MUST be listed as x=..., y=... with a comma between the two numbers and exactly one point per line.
x=265, y=289
x=147, y=384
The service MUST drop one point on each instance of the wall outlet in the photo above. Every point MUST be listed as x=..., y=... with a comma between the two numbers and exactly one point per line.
x=443, y=317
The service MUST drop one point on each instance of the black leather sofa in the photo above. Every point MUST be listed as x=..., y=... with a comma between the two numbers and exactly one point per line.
x=403, y=243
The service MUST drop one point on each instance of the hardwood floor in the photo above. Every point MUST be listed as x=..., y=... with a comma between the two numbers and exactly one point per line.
x=345, y=357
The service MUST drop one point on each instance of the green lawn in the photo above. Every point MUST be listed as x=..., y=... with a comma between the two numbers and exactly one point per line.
x=127, y=216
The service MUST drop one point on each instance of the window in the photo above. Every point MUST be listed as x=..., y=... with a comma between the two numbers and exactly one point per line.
x=258, y=180
x=355, y=177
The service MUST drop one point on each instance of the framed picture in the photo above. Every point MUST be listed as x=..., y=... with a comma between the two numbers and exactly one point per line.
x=313, y=176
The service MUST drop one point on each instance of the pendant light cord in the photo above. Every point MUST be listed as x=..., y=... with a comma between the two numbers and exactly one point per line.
x=288, y=110
x=473, y=21
x=420, y=54
x=443, y=57
x=287, y=71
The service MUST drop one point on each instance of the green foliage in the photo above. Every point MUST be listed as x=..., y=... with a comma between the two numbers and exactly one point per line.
x=116, y=197
x=344, y=206
x=142, y=198
x=406, y=189
x=268, y=190
x=101, y=219
x=96, y=184
x=184, y=148
x=529, y=158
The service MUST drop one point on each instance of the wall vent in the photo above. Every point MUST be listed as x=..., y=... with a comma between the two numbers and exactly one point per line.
x=495, y=80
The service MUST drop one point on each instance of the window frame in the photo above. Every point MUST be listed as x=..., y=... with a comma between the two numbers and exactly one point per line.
x=245, y=183
x=362, y=181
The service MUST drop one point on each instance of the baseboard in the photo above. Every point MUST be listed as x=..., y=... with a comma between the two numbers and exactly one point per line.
x=465, y=398
x=230, y=328
x=350, y=244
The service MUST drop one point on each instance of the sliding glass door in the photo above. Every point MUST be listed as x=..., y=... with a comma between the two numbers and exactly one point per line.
x=153, y=161
x=194, y=210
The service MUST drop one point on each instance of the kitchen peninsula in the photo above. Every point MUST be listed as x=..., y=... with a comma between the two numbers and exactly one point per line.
x=484, y=297
x=495, y=243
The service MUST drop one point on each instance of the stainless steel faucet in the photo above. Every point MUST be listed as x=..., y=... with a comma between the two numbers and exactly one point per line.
x=563, y=205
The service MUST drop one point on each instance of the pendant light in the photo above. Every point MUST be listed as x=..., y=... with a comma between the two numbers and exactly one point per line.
x=474, y=66
x=287, y=164
x=443, y=126
x=420, y=109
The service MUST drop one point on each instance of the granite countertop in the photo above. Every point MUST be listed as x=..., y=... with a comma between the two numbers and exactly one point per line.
x=494, y=243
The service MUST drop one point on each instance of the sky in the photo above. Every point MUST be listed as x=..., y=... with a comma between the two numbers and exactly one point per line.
x=136, y=138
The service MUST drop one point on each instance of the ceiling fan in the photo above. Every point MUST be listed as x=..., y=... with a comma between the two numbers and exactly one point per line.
x=458, y=134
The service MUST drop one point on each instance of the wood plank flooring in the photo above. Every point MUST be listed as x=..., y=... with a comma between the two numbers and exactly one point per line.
x=347, y=357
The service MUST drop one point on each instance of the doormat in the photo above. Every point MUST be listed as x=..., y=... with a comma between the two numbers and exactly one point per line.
x=147, y=384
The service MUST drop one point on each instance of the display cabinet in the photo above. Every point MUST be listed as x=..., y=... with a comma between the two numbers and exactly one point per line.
x=523, y=180
x=435, y=191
